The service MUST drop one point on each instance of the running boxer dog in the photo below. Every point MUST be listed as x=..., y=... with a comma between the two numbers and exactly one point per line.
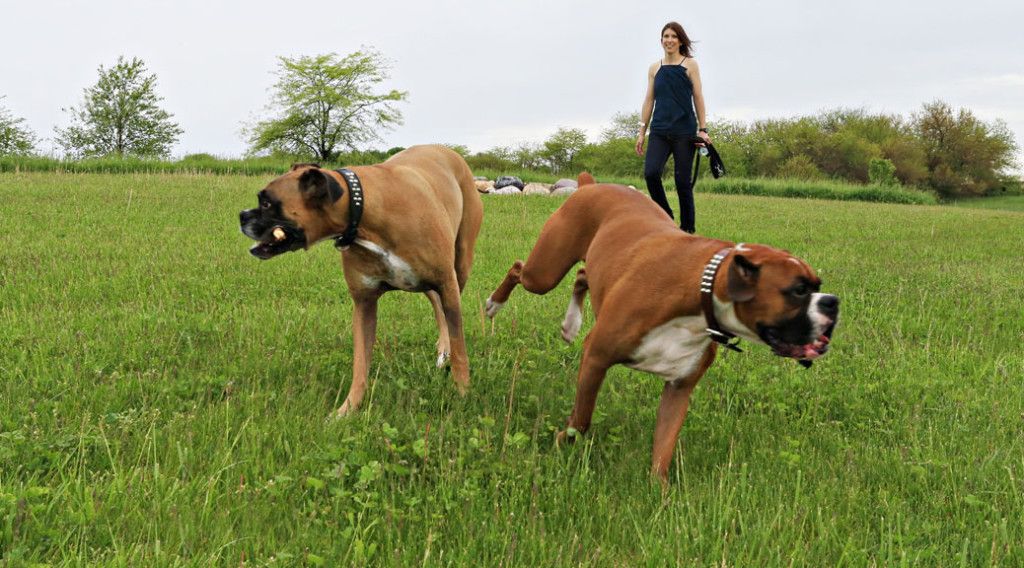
x=409, y=224
x=664, y=300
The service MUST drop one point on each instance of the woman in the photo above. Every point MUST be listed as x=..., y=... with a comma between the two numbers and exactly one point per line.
x=674, y=95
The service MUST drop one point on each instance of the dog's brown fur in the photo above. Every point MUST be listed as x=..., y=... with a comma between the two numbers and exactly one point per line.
x=422, y=214
x=644, y=276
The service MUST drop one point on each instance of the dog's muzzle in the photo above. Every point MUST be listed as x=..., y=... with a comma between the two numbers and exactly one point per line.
x=272, y=238
x=808, y=339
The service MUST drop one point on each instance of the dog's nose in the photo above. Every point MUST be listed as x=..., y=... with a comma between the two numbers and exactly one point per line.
x=828, y=304
x=244, y=216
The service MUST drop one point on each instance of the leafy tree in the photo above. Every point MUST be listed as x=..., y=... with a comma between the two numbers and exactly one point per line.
x=624, y=126
x=615, y=157
x=966, y=156
x=460, y=149
x=562, y=146
x=733, y=141
x=321, y=105
x=14, y=138
x=120, y=116
x=800, y=167
x=499, y=158
x=907, y=154
x=526, y=156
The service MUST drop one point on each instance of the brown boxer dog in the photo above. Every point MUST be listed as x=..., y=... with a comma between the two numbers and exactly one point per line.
x=409, y=224
x=664, y=300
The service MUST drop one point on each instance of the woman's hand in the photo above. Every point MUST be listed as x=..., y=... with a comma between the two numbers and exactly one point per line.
x=704, y=136
x=640, y=145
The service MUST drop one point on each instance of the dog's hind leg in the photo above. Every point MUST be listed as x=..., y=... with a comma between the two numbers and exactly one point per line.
x=574, y=315
x=364, y=331
x=451, y=305
x=558, y=248
x=444, y=348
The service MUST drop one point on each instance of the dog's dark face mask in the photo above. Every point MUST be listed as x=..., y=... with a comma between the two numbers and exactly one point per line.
x=294, y=212
x=267, y=224
x=790, y=315
x=806, y=336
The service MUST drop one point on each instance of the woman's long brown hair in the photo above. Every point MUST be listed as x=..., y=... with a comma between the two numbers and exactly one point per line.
x=685, y=45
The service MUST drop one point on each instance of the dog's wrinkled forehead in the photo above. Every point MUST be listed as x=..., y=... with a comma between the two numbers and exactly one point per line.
x=781, y=267
x=286, y=188
x=803, y=271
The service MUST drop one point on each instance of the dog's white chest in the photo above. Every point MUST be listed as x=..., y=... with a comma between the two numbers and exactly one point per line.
x=392, y=269
x=672, y=350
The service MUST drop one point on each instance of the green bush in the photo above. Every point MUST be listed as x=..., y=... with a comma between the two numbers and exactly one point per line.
x=800, y=167
x=882, y=172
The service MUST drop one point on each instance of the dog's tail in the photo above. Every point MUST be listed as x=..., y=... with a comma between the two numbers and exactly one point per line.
x=469, y=227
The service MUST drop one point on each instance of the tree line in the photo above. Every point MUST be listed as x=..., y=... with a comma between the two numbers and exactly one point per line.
x=941, y=149
x=319, y=107
x=326, y=106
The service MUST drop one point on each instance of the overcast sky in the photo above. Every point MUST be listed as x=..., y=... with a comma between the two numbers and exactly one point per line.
x=486, y=74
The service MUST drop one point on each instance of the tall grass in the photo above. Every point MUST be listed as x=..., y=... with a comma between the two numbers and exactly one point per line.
x=194, y=164
x=832, y=190
x=1003, y=203
x=207, y=164
x=163, y=398
x=191, y=164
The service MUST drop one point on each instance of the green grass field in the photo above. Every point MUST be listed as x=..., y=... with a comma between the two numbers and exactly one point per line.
x=1008, y=203
x=163, y=398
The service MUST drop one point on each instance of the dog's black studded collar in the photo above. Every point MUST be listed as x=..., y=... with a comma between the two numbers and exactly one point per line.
x=355, y=209
x=707, y=302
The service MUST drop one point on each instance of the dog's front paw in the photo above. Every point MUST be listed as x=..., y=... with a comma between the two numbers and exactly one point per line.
x=444, y=359
x=567, y=436
x=493, y=307
x=344, y=411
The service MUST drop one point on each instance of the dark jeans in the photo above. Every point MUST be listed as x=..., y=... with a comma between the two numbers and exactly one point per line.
x=658, y=150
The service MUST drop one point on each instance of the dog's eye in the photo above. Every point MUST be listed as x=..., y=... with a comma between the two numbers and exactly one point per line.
x=799, y=291
x=264, y=205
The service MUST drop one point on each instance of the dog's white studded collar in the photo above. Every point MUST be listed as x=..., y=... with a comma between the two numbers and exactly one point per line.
x=707, y=299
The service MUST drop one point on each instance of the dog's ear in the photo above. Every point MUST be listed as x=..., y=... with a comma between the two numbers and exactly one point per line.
x=314, y=184
x=585, y=179
x=742, y=278
x=300, y=165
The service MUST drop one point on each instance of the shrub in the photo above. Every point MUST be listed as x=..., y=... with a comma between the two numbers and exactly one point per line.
x=800, y=167
x=882, y=172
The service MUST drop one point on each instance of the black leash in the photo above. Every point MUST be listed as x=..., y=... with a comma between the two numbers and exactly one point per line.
x=696, y=168
x=717, y=167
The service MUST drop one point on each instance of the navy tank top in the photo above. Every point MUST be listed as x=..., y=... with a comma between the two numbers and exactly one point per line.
x=673, y=102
